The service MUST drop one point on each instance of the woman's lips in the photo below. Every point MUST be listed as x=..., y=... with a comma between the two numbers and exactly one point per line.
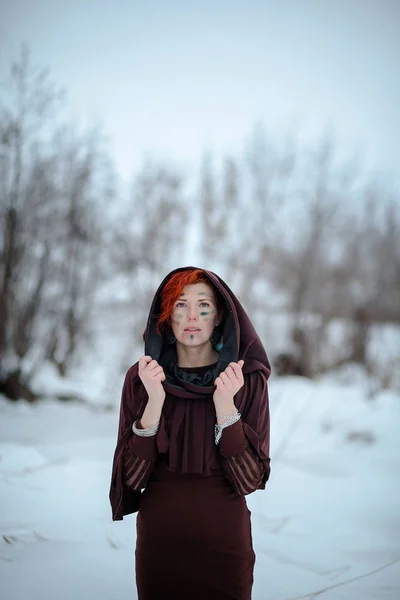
x=192, y=330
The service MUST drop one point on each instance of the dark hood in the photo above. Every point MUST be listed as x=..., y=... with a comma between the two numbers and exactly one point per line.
x=239, y=337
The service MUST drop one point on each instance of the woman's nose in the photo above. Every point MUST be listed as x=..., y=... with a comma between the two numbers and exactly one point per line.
x=192, y=314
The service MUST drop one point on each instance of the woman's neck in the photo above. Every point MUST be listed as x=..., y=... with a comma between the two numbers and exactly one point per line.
x=196, y=357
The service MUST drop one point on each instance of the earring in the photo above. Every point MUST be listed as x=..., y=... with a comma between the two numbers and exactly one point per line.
x=171, y=339
x=217, y=340
x=219, y=346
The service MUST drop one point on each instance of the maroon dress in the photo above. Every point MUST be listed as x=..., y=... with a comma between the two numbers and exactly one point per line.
x=194, y=537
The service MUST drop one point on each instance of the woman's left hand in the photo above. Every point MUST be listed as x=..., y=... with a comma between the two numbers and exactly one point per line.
x=228, y=384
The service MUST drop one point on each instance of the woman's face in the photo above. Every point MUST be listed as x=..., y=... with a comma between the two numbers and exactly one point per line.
x=194, y=315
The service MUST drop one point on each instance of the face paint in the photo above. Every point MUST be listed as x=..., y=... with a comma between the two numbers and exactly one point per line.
x=195, y=307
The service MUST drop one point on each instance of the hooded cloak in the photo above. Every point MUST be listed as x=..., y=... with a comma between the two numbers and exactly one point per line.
x=185, y=436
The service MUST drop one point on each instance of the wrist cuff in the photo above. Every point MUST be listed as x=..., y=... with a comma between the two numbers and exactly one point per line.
x=233, y=440
x=144, y=447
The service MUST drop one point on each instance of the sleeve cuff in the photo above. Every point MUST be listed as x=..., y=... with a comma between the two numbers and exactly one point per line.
x=233, y=440
x=144, y=447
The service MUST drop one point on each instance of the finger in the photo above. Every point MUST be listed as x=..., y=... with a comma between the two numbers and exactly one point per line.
x=237, y=369
x=157, y=371
x=237, y=365
x=152, y=365
x=159, y=377
x=218, y=382
x=230, y=372
x=143, y=360
x=146, y=358
x=226, y=381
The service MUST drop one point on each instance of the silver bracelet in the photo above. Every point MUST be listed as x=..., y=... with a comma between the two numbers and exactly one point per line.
x=149, y=431
x=227, y=416
x=230, y=420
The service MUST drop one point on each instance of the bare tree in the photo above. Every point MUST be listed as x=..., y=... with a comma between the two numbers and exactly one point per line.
x=77, y=242
x=370, y=273
x=149, y=236
x=267, y=178
x=303, y=269
x=213, y=215
x=27, y=104
x=51, y=230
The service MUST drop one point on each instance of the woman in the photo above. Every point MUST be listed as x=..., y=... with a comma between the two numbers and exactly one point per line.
x=193, y=441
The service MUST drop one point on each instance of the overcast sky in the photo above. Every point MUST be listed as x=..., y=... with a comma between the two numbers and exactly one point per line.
x=172, y=78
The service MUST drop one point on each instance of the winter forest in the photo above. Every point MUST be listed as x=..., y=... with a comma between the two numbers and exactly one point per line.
x=309, y=242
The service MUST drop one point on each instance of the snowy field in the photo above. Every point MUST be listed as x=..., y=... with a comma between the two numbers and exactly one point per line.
x=328, y=524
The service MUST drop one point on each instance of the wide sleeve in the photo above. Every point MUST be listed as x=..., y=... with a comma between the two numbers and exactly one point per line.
x=123, y=499
x=139, y=459
x=244, y=446
x=240, y=462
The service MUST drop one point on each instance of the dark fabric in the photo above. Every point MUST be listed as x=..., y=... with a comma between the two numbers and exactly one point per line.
x=245, y=471
x=240, y=463
x=186, y=435
x=144, y=447
x=233, y=440
x=136, y=470
x=124, y=500
x=139, y=460
x=194, y=539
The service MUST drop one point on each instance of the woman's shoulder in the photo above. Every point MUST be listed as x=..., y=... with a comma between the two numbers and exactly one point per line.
x=256, y=368
x=132, y=372
x=258, y=375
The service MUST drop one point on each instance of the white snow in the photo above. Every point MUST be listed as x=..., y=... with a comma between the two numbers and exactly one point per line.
x=328, y=520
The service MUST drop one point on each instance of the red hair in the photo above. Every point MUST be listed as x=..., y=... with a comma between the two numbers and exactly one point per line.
x=173, y=290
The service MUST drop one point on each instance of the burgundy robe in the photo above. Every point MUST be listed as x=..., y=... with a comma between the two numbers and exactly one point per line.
x=193, y=526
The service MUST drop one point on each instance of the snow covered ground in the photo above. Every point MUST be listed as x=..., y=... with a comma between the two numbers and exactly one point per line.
x=329, y=519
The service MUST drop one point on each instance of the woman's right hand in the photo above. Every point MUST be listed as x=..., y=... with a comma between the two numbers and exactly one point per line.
x=152, y=376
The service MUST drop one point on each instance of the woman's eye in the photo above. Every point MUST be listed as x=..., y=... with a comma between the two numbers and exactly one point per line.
x=202, y=304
